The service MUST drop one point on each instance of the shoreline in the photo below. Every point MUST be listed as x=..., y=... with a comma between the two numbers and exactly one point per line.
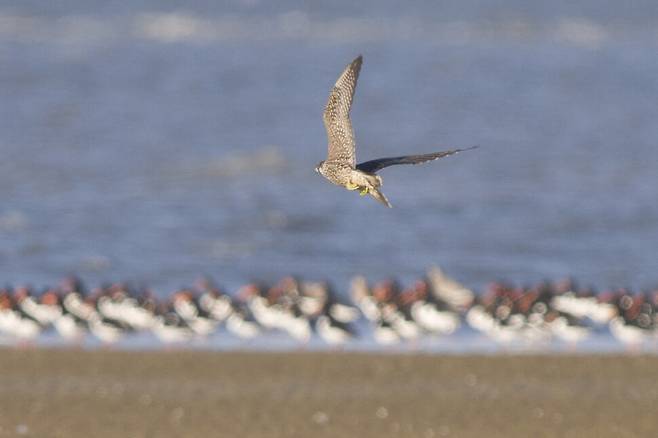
x=105, y=393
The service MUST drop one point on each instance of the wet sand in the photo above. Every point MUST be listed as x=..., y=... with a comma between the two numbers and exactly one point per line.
x=71, y=393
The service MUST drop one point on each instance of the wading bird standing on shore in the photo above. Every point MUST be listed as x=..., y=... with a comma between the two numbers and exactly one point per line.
x=340, y=166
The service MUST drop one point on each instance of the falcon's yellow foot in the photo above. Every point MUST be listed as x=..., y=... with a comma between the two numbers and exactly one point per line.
x=364, y=191
x=350, y=186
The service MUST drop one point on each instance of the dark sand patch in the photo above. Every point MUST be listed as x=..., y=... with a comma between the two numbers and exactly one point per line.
x=55, y=393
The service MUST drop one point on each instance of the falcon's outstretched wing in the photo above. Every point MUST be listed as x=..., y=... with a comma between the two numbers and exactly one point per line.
x=376, y=165
x=337, y=115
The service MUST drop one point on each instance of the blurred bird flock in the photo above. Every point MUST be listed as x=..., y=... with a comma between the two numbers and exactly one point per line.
x=155, y=144
x=292, y=312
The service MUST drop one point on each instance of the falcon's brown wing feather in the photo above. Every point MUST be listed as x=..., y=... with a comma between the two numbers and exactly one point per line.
x=337, y=116
x=376, y=165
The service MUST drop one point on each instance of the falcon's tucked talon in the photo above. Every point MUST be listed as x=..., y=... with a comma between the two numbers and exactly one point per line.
x=340, y=166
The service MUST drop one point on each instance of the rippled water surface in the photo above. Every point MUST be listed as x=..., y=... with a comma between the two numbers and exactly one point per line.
x=154, y=143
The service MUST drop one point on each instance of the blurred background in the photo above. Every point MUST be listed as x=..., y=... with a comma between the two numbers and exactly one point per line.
x=154, y=141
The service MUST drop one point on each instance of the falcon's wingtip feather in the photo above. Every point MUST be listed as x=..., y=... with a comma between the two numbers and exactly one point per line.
x=356, y=63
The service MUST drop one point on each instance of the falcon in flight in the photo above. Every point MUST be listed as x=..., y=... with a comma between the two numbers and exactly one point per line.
x=340, y=166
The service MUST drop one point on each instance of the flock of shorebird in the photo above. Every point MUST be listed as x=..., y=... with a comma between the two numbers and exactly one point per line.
x=434, y=305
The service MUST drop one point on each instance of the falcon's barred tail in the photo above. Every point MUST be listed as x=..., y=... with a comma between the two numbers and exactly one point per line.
x=379, y=196
x=370, y=183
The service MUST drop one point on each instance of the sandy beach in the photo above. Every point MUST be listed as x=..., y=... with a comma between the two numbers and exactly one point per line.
x=72, y=393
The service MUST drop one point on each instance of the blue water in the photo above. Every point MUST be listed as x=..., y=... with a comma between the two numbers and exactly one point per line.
x=153, y=142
